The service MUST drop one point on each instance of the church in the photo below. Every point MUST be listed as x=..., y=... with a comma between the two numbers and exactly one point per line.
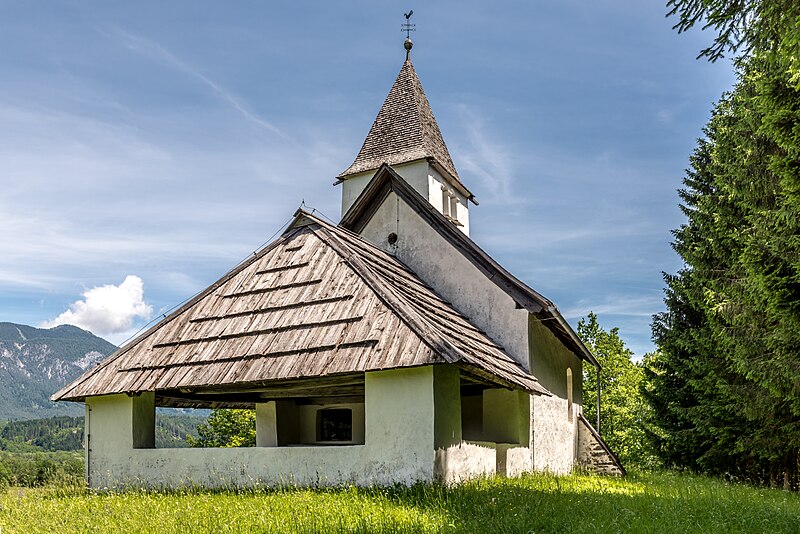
x=389, y=348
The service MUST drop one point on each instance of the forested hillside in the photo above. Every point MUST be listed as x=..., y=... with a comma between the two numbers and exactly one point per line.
x=725, y=384
x=64, y=433
x=35, y=362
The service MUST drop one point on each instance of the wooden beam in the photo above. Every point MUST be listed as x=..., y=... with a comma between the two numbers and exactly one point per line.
x=313, y=392
x=283, y=385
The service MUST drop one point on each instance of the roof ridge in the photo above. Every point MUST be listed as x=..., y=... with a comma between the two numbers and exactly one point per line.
x=424, y=329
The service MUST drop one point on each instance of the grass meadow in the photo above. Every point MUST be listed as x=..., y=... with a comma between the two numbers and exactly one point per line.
x=535, y=503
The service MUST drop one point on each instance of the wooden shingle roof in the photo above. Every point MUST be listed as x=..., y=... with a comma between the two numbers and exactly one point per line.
x=317, y=302
x=405, y=130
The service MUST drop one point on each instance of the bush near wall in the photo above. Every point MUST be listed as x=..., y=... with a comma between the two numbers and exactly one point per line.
x=41, y=468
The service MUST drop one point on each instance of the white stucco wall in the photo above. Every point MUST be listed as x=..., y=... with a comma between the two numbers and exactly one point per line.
x=554, y=436
x=452, y=276
x=420, y=175
x=555, y=433
x=464, y=461
x=416, y=173
x=352, y=187
x=467, y=460
x=266, y=424
x=518, y=460
x=489, y=308
x=506, y=416
x=399, y=446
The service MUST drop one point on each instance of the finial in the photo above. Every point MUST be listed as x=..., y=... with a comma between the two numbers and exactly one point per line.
x=408, y=28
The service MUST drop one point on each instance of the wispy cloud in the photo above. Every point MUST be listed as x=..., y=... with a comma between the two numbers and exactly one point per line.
x=485, y=157
x=157, y=52
x=617, y=305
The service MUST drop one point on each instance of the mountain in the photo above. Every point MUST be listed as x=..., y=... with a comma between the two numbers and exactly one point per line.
x=35, y=362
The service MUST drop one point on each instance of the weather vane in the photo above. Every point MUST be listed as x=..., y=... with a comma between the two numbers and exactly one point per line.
x=408, y=28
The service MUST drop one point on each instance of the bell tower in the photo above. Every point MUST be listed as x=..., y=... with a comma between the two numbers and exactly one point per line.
x=406, y=136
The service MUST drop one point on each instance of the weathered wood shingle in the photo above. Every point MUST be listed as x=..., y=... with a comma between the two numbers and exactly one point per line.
x=405, y=130
x=318, y=302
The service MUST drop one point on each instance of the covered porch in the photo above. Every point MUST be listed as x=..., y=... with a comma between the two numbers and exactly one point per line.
x=435, y=422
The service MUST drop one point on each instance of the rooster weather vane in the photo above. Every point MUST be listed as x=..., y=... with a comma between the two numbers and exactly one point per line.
x=408, y=28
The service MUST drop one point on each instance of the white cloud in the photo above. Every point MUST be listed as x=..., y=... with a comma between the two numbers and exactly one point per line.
x=485, y=157
x=107, y=309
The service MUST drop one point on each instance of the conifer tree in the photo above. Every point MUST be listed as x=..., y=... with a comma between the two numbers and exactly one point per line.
x=721, y=387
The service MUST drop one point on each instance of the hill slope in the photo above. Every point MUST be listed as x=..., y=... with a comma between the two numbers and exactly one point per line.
x=35, y=362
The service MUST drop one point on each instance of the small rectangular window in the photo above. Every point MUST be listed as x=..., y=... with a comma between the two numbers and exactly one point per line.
x=445, y=203
x=335, y=424
x=454, y=207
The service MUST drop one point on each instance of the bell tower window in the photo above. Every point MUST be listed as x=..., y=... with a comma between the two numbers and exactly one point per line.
x=450, y=205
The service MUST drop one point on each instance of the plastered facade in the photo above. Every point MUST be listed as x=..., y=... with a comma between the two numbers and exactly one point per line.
x=412, y=432
x=555, y=428
x=445, y=269
x=399, y=446
x=424, y=178
x=552, y=428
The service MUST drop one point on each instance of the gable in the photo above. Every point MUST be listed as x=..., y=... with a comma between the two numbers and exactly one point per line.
x=454, y=277
x=429, y=221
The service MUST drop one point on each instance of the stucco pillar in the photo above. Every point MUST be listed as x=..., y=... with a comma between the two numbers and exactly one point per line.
x=447, y=405
x=266, y=424
x=399, y=425
x=115, y=426
x=143, y=420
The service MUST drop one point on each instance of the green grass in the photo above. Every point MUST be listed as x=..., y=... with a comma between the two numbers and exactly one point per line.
x=535, y=503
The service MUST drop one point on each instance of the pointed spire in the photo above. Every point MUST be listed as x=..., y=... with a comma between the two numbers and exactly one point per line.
x=405, y=130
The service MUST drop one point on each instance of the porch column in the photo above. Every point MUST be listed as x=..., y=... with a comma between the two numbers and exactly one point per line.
x=143, y=420
x=266, y=424
x=447, y=406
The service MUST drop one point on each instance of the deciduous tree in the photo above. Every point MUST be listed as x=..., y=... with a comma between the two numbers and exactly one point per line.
x=621, y=405
x=226, y=428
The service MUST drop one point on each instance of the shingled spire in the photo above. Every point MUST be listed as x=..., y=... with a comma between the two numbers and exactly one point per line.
x=405, y=130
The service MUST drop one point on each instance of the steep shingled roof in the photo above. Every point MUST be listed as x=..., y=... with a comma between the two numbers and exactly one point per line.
x=318, y=302
x=405, y=130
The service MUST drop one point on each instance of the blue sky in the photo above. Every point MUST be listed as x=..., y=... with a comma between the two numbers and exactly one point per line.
x=147, y=147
